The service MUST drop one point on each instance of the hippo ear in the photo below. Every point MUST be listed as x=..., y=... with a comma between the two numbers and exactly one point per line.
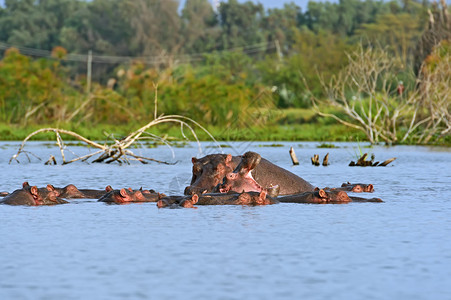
x=123, y=193
x=193, y=160
x=322, y=194
x=25, y=184
x=34, y=191
x=370, y=188
x=130, y=189
x=316, y=189
x=262, y=195
x=228, y=158
x=195, y=198
x=108, y=188
x=50, y=188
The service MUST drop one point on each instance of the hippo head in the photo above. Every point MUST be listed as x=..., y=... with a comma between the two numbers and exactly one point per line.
x=190, y=201
x=208, y=172
x=146, y=196
x=322, y=196
x=69, y=191
x=122, y=196
x=178, y=201
x=358, y=187
x=41, y=196
x=253, y=198
x=241, y=180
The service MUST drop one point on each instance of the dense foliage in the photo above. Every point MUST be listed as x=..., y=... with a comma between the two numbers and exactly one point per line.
x=211, y=63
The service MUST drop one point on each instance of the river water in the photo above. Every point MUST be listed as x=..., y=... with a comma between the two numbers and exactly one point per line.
x=399, y=249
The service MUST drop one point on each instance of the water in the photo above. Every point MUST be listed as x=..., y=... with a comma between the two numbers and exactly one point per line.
x=400, y=249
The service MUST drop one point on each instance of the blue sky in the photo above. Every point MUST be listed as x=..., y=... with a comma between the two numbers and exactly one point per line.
x=266, y=3
x=277, y=3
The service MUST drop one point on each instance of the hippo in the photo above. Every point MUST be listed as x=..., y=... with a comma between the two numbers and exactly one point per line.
x=357, y=187
x=209, y=173
x=32, y=196
x=72, y=192
x=128, y=195
x=255, y=173
x=178, y=201
x=324, y=196
x=246, y=198
x=317, y=196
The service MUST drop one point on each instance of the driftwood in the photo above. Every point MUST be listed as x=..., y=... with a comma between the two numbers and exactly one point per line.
x=326, y=160
x=362, y=162
x=118, y=151
x=294, y=159
x=315, y=160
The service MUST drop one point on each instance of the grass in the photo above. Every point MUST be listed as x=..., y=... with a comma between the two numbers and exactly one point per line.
x=288, y=125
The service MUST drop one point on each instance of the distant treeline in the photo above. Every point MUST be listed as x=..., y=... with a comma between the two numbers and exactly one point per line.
x=155, y=28
x=207, y=62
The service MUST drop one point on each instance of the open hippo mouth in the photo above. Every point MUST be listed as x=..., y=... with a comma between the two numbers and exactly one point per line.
x=244, y=184
x=241, y=179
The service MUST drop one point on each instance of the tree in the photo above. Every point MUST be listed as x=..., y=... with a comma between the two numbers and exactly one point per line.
x=240, y=24
x=438, y=29
x=199, y=26
x=398, y=33
x=312, y=54
x=364, y=91
x=35, y=24
x=281, y=25
x=99, y=26
x=156, y=27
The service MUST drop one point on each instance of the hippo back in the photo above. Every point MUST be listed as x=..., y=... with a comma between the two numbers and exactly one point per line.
x=268, y=174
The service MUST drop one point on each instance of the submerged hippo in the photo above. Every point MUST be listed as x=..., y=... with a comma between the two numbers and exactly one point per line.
x=324, y=196
x=317, y=196
x=357, y=187
x=123, y=196
x=72, y=192
x=31, y=195
x=254, y=173
x=246, y=198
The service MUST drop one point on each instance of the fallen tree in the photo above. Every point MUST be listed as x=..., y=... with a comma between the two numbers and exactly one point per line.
x=119, y=150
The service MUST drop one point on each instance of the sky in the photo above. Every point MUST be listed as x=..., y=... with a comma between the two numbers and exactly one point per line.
x=277, y=3
x=266, y=3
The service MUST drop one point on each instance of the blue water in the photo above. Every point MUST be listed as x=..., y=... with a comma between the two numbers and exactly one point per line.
x=399, y=249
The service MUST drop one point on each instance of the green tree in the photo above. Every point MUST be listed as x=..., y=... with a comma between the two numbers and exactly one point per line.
x=240, y=23
x=156, y=26
x=313, y=54
x=281, y=25
x=199, y=26
x=99, y=26
x=35, y=24
x=397, y=32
